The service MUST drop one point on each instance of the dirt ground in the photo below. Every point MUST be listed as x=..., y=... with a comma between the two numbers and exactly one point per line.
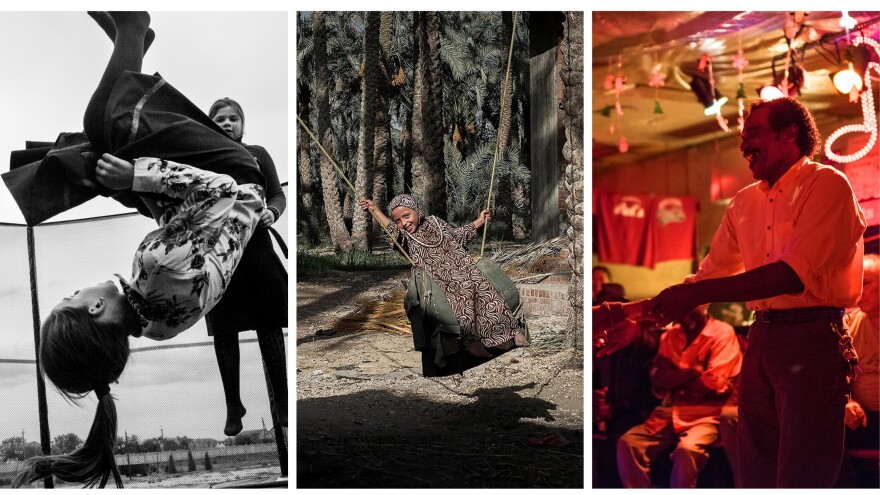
x=367, y=418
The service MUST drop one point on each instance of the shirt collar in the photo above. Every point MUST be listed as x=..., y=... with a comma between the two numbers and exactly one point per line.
x=137, y=301
x=787, y=178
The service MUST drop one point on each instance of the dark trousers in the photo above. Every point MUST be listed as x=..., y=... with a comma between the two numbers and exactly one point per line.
x=792, y=394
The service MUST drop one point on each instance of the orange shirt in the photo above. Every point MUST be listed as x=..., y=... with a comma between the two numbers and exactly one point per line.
x=717, y=351
x=811, y=220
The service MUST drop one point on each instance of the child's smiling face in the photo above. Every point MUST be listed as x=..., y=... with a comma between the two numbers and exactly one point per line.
x=405, y=218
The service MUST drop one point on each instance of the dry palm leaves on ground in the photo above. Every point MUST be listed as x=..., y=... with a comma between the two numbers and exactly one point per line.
x=531, y=262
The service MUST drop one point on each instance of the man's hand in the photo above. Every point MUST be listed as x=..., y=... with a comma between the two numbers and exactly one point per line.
x=618, y=337
x=855, y=416
x=673, y=303
x=638, y=310
x=114, y=173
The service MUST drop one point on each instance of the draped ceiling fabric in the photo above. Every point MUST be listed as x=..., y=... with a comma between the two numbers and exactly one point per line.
x=678, y=39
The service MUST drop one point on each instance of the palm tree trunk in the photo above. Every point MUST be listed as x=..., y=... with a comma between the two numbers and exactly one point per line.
x=329, y=180
x=428, y=169
x=361, y=220
x=573, y=152
x=306, y=184
x=505, y=182
x=384, y=176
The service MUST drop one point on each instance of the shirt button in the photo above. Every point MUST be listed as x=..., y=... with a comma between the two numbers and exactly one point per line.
x=771, y=200
x=768, y=255
x=768, y=227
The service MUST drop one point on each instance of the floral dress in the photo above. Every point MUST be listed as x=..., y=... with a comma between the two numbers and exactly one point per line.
x=181, y=270
x=440, y=250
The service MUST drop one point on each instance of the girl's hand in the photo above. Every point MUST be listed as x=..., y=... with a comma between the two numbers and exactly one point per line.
x=482, y=218
x=367, y=205
x=114, y=173
x=267, y=218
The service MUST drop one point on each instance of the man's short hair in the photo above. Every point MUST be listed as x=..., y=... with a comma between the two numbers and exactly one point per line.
x=603, y=269
x=784, y=112
x=871, y=264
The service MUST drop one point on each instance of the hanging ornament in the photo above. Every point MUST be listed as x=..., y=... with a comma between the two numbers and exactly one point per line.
x=609, y=78
x=706, y=62
x=609, y=82
x=846, y=21
x=657, y=108
x=619, y=81
x=740, y=62
x=657, y=81
x=870, y=117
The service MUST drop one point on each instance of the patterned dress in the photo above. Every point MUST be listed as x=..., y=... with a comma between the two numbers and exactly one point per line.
x=181, y=270
x=440, y=250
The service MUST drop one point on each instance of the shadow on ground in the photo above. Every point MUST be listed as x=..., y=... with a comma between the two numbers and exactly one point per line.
x=488, y=439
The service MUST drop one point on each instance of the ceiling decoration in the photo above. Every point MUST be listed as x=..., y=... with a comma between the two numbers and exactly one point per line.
x=746, y=50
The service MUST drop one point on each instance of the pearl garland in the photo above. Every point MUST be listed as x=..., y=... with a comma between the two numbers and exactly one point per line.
x=870, y=123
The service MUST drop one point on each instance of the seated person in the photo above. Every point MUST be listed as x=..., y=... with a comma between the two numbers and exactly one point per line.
x=692, y=374
x=622, y=397
x=601, y=277
x=486, y=321
x=863, y=409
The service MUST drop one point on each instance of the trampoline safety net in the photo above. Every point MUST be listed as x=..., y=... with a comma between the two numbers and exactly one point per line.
x=169, y=400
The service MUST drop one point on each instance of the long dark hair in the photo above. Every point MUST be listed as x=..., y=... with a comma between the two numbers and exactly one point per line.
x=80, y=355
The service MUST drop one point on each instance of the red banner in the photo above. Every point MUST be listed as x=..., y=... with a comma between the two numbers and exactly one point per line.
x=622, y=228
x=674, y=227
x=636, y=229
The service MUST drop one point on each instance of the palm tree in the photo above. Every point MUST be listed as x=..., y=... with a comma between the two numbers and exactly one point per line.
x=428, y=169
x=329, y=181
x=573, y=152
x=305, y=185
x=383, y=177
x=364, y=183
x=309, y=213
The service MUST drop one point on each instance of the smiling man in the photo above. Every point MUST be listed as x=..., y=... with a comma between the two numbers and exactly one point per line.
x=791, y=245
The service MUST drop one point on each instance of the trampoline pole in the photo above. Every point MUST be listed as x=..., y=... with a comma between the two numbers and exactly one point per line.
x=41, y=385
x=280, y=441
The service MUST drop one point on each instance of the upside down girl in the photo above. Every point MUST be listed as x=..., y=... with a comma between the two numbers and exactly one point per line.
x=158, y=147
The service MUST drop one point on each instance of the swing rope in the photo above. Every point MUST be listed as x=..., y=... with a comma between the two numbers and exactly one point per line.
x=500, y=117
x=353, y=191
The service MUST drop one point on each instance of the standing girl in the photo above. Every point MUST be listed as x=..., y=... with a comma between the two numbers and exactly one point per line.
x=257, y=296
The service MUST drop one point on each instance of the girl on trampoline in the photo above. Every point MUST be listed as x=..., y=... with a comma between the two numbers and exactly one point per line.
x=486, y=321
x=179, y=272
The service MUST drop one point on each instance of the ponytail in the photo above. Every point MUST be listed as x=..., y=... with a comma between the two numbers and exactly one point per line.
x=79, y=356
x=92, y=464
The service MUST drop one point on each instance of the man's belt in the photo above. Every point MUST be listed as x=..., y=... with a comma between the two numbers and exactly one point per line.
x=799, y=315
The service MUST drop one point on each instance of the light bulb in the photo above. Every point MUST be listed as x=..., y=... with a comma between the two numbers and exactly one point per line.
x=770, y=92
x=847, y=79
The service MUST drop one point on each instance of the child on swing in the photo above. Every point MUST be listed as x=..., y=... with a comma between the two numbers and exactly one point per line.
x=179, y=272
x=486, y=321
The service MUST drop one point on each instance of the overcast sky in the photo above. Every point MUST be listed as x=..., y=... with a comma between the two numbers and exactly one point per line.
x=51, y=62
